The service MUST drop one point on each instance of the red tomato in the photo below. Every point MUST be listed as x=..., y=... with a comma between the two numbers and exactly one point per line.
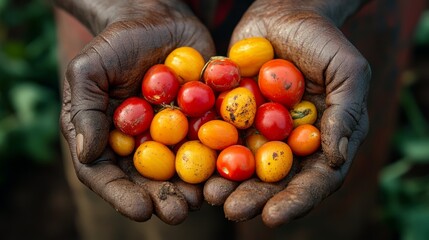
x=252, y=85
x=236, y=163
x=196, y=122
x=219, y=100
x=195, y=98
x=133, y=116
x=273, y=121
x=141, y=138
x=281, y=81
x=221, y=74
x=160, y=85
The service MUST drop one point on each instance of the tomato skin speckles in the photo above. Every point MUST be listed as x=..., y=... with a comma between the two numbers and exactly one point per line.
x=281, y=81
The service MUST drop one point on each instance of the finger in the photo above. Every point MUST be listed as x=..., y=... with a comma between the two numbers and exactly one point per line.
x=217, y=189
x=106, y=179
x=103, y=176
x=88, y=105
x=193, y=193
x=308, y=188
x=169, y=203
x=250, y=197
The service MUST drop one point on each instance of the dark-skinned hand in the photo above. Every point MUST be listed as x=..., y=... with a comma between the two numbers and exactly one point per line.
x=130, y=36
x=337, y=79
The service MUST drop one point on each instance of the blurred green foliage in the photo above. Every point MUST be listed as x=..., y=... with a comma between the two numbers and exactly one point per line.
x=29, y=98
x=422, y=33
x=404, y=183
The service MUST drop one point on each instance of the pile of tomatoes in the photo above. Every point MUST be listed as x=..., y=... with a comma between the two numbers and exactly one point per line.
x=241, y=115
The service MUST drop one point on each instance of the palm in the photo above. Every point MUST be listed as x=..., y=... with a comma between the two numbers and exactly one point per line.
x=337, y=79
x=106, y=72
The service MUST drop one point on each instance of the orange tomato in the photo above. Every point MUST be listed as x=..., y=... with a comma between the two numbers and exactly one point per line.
x=195, y=162
x=169, y=126
x=304, y=140
x=218, y=134
x=273, y=161
x=186, y=62
x=155, y=161
x=250, y=54
x=304, y=112
x=121, y=143
x=239, y=107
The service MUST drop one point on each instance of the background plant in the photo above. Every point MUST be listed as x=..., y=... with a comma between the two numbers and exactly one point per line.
x=29, y=101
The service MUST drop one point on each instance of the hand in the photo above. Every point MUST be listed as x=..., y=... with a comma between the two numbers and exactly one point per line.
x=130, y=37
x=337, y=79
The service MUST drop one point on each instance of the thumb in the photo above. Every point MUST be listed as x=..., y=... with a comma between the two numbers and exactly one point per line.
x=344, y=123
x=89, y=103
x=92, y=133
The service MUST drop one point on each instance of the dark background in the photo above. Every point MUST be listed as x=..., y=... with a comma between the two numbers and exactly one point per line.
x=35, y=201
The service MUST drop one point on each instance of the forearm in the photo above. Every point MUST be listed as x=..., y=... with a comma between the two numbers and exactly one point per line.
x=91, y=13
x=339, y=10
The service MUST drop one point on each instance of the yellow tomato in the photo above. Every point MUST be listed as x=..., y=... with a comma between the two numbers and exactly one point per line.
x=121, y=143
x=169, y=126
x=186, y=62
x=304, y=112
x=255, y=140
x=239, y=107
x=218, y=134
x=250, y=54
x=155, y=161
x=273, y=161
x=195, y=162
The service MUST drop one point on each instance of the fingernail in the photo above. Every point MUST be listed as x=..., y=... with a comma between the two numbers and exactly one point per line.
x=343, y=145
x=79, y=144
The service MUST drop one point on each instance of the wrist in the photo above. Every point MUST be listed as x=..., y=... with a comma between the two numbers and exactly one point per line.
x=97, y=14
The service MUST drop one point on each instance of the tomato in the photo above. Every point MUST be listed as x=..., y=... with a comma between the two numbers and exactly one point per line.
x=304, y=140
x=254, y=140
x=250, y=54
x=169, y=126
x=160, y=84
x=281, y=81
x=273, y=161
x=219, y=99
x=304, y=112
x=195, y=98
x=236, y=163
x=141, y=138
x=155, y=161
x=196, y=122
x=239, y=107
x=218, y=134
x=195, y=162
x=133, y=116
x=273, y=121
x=252, y=85
x=221, y=74
x=186, y=62
x=121, y=144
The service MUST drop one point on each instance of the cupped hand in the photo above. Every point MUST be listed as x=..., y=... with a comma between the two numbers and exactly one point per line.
x=130, y=37
x=337, y=79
